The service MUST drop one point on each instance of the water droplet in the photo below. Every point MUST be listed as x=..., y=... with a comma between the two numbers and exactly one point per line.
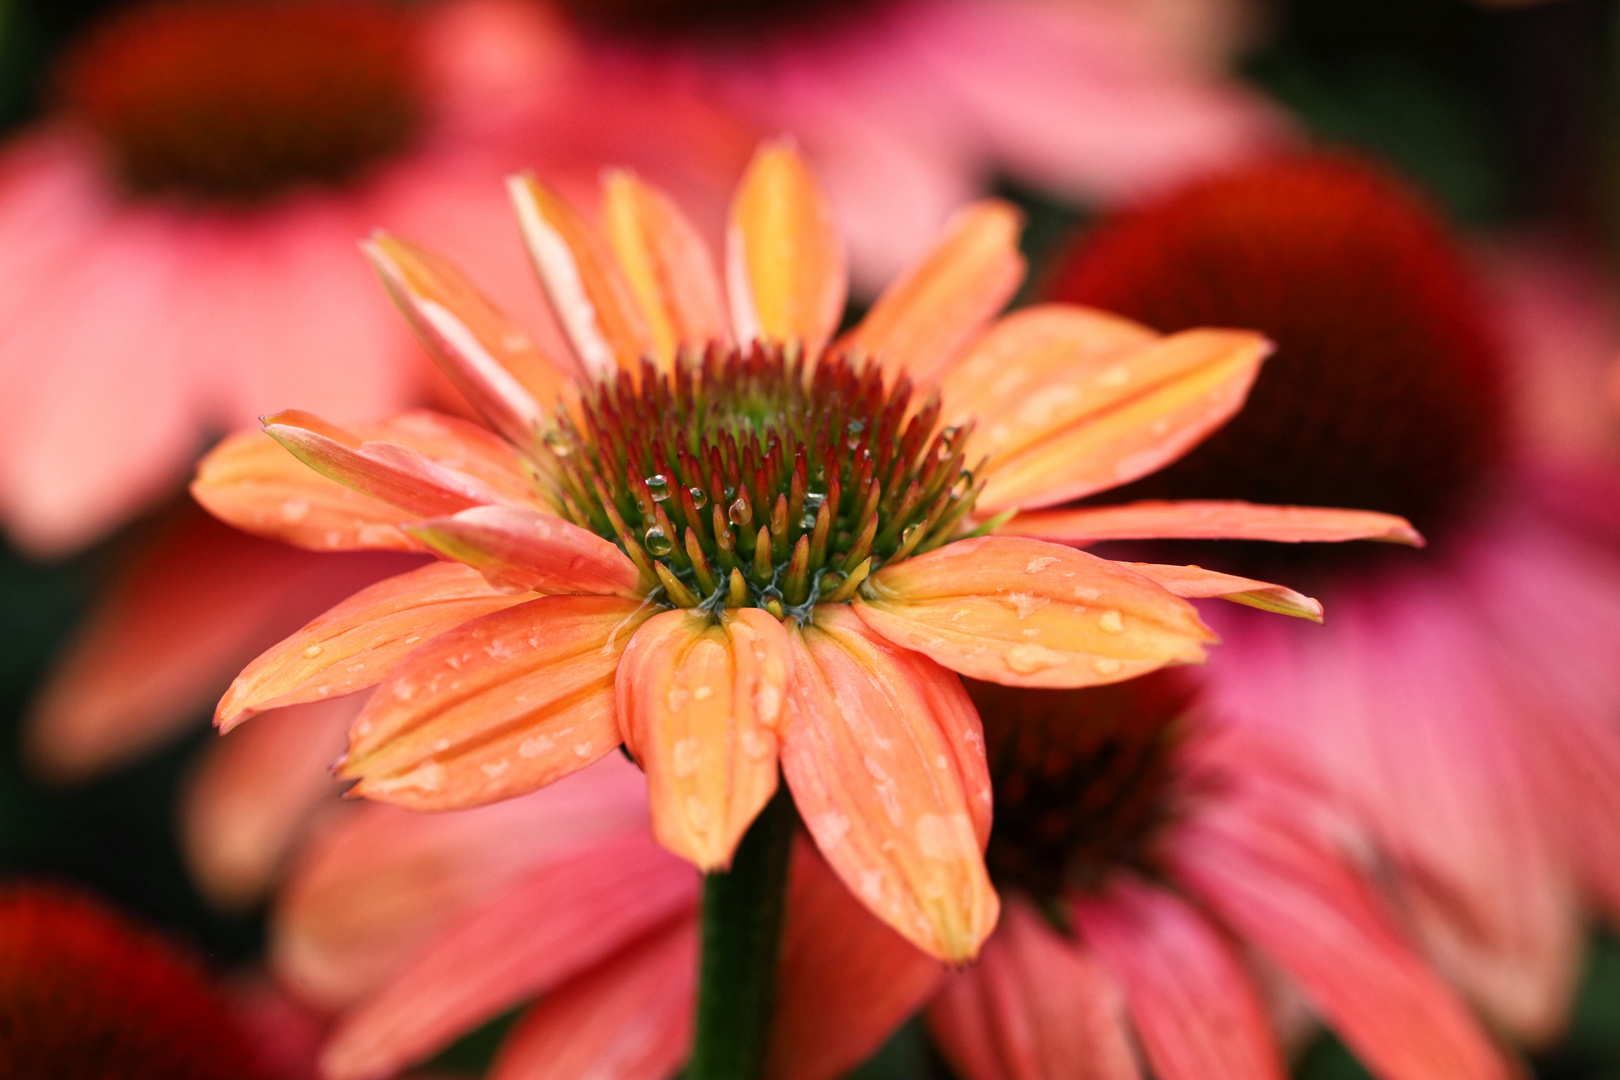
x=556, y=443
x=853, y=431
x=738, y=512
x=909, y=533
x=813, y=501
x=700, y=497
x=1112, y=622
x=313, y=651
x=657, y=541
x=963, y=485
x=950, y=435
x=658, y=486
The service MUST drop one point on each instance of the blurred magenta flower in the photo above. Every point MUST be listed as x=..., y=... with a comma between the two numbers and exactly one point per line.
x=177, y=236
x=1145, y=861
x=1465, y=698
x=910, y=107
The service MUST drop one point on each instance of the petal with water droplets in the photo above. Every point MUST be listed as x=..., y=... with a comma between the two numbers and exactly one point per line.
x=1027, y=613
x=700, y=702
x=496, y=707
x=884, y=754
x=356, y=644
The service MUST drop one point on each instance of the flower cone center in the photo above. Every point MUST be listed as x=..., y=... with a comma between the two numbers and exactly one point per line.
x=1385, y=393
x=1083, y=779
x=84, y=996
x=235, y=102
x=754, y=478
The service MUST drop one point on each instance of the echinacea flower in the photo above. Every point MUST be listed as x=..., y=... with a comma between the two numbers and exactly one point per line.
x=1464, y=698
x=1150, y=866
x=734, y=549
x=176, y=236
x=87, y=995
x=909, y=107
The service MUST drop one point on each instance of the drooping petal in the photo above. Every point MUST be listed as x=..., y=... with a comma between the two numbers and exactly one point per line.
x=497, y=707
x=925, y=318
x=1027, y=613
x=1196, y=583
x=250, y=481
x=522, y=549
x=582, y=282
x=1316, y=918
x=256, y=794
x=356, y=644
x=884, y=754
x=835, y=1004
x=493, y=362
x=1212, y=520
x=1035, y=1007
x=555, y=923
x=700, y=703
x=668, y=268
x=1195, y=1010
x=629, y=1018
x=786, y=270
x=398, y=475
x=1070, y=401
x=371, y=890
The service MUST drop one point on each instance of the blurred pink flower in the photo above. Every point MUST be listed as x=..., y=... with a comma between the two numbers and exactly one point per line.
x=1464, y=698
x=177, y=237
x=910, y=107
x=1174, y=859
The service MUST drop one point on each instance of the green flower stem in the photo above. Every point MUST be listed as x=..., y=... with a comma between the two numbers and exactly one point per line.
x=742, y=938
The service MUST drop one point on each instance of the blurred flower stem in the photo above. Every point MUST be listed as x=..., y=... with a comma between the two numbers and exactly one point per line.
x=742, y=937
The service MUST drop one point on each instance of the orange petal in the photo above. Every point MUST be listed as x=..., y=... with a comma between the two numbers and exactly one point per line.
x=400, y=475
x=524, y=550
x=1070, y=401
x=884, y=754
x=251, y=482
x=668, y=268
x=699, y=703
x=496, y=707
x=786, y=270
x=1028, y=613
x=591, y=299
x=924, y=319
x=357, y=643
x=835, y=1004
x=1210, y=520
x=493, y=362
x=1196, y=583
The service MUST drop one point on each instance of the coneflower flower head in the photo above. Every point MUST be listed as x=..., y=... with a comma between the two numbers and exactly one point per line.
x=231, y=102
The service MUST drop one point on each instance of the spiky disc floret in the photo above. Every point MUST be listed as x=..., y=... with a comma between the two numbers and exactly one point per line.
x=755, y=477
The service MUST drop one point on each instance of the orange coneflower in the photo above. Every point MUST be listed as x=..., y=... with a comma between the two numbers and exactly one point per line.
x=733, y=548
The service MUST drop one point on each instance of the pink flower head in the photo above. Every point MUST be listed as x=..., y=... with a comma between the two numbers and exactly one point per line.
x=713, y=535
x=177, y=236
x=1156, y=878
x=1464, y=699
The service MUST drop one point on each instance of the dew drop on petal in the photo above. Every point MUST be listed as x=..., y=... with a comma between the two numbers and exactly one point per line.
x=556, y=443
x=313, y=651
x=700, y=497
x=1028, y=659
x=658, y=486
x=657, y=541
x=686, y=757
x=738, y=512
x=1108, y=666
x=1112, y=622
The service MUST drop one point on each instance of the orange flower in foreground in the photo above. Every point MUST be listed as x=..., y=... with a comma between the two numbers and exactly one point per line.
x=731, y=548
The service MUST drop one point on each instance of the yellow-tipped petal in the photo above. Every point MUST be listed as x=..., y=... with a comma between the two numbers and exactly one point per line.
x=668, y=268
x=925, y=318
x=582, y=282
x=786, y=269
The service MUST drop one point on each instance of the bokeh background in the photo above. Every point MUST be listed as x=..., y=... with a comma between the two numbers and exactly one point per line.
x=1505, y=114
